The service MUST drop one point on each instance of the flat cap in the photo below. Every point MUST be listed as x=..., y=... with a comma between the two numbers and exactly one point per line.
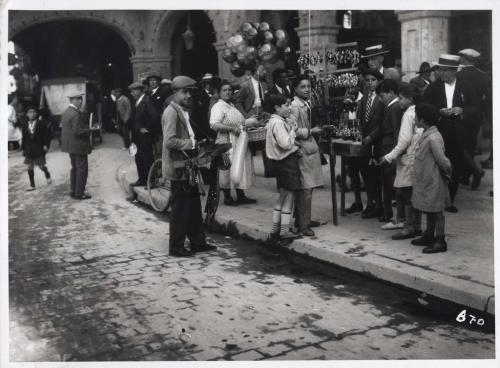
x=182, y=81
x=470, y=54
x=136, y=85
x=154, y=75
x=76, y=95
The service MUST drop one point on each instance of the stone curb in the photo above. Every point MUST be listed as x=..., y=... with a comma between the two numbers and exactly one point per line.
x=445, y=287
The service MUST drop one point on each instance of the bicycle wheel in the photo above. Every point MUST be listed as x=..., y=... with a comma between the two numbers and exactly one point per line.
x=159, y=191
x=213, y=194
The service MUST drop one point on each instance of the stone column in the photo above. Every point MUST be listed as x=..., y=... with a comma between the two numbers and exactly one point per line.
x=150, y=63
x=424, y=36
x=317, y=28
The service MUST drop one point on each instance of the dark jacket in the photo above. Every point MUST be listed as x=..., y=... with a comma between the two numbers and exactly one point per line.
x=146, y=116
x=420, y=83
x=32, y=144
x=245, y=97
x=481, y=83
x=75, y=132
x=388, y=131
x=201, y=112
x=157, y=99
x=370, y=127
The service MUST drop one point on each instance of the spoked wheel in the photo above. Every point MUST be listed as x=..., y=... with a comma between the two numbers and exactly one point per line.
x=213, y=194
x=159, y=190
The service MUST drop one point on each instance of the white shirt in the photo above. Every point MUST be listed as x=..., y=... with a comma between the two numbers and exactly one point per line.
x=73, y=106
x=139, y=100
x=190, y=130
x=392, y=102
x=256, y=86
x=31, y=126
x=153, y=91
x=450, y=90
x=280, y=90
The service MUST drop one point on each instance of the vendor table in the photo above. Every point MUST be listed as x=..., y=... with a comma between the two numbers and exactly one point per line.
x=342, y=148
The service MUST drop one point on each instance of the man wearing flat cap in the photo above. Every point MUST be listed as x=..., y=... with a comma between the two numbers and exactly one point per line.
x=144, y=119
x=370, y=113
x=458, y=107
x=75, y=140
x=423, y=79
x=481, y=83
x=179, y=142
x=375, y=58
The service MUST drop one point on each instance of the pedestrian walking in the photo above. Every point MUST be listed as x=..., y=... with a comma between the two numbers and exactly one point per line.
x=432, y=173
x=282, y=149
x=144, y=119
x=228, y=122
x=179, y=143
x=75, y=140
x=35, y=144
x=311, y=173
x=123, y=116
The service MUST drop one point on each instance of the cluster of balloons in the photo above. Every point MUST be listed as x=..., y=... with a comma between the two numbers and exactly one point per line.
x=255, y=42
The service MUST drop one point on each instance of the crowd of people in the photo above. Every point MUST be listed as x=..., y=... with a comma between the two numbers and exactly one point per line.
x=422, y=136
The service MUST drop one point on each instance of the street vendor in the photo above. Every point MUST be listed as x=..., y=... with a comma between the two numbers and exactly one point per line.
x=178, y=144
x=228, y=122
x=311, y=173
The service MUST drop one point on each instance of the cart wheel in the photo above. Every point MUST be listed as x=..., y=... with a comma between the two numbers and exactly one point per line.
x=213, y=196
x=159, y=191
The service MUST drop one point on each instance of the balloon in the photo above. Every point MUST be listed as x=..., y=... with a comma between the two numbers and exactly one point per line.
x=242, y=47
x=280, y=33
x=228, y=55
x=229, y=42
x=264, y=50
x=251, y=53
x=282, y=43
x=251, y=34
x=245, y=27
x=236, y=69
x=287, y=52
x=256, y=25
x=268, y=37
x=242, y=58
x=264, y=26
x=281, y=39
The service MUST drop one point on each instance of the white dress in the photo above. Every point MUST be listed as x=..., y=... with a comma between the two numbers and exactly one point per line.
x=226, y=114
x=15, y=134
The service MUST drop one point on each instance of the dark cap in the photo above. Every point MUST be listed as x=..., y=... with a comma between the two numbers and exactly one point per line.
x=424, y=68
x=372, y=71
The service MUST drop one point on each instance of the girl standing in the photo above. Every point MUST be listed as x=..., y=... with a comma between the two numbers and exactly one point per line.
x=432, y=173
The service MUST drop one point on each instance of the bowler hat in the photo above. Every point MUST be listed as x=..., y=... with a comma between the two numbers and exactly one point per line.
x=424, y=68
x=372, y=71
x=374, y=51
x=182, y=81
x=136, y=85
x=469, y=54
x=448, y=61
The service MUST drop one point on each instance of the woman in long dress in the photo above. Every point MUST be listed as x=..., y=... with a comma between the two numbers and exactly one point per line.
x=15, y=133
x=228, y=122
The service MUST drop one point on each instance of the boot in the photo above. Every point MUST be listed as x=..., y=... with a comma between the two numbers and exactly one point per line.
x=242, y=198
x=426, y=239
x=439, y=245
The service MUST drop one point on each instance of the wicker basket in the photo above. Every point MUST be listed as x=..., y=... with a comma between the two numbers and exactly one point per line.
x=257, y=135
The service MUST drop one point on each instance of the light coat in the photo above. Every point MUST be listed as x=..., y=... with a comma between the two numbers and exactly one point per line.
x=310, y=161
x=432, y=170
x=75, y=133
x=175, y=140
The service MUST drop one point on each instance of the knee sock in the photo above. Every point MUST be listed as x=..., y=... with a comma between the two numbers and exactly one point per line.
x=31, y=174
x=440, y=222
x=276, y=221
x=46, y=172
x=285, y=223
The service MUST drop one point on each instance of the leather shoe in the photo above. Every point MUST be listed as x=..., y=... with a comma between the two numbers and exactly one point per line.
x=181, y=252
x=246, y=200
x=438, y=246
x=375, y=212
x=403, y=235
x=451, y=209
x=426, y=239
x=307, y=232
x=230, y=202
x=314, y=223
x=83, y=196
x=384, y=218
x=138, y=183
x=476, y=180
x=355, y=207
x=203, y=248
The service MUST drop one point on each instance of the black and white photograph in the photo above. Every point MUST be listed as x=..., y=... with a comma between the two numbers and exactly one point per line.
x=148, y=216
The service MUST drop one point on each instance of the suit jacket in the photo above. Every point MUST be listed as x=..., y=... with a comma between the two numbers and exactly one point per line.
x=201, y=112
x=175, y=140
x=75, y=132
x=245, y=97
x=123, y=110
x=157, y=99
x=145, y=116
x=388, y=131
x=481, y=83
x=32, y=144
x=369, y=127
x=419, y=83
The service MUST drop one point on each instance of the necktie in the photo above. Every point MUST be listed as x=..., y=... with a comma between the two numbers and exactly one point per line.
x=368, y=106
x=260, y=91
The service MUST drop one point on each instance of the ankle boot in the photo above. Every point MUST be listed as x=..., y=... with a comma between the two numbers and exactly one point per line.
x=426, y=239
x=439, y=245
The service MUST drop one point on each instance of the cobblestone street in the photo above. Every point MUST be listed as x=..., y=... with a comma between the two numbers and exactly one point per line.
x=91, y=280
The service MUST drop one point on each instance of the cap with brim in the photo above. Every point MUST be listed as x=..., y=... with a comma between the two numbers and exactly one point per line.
x=374, y=72
x=374, y=51
x=136, y=85
x=448, y=61
x=424, y=68
x=182, y=81
x=469, y=54
x=207, y=77
x=154, y=75
x=76, y=95
x=166, y=81
x=31, y=107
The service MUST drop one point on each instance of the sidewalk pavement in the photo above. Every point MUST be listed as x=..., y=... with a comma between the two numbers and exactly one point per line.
x=464, y=274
